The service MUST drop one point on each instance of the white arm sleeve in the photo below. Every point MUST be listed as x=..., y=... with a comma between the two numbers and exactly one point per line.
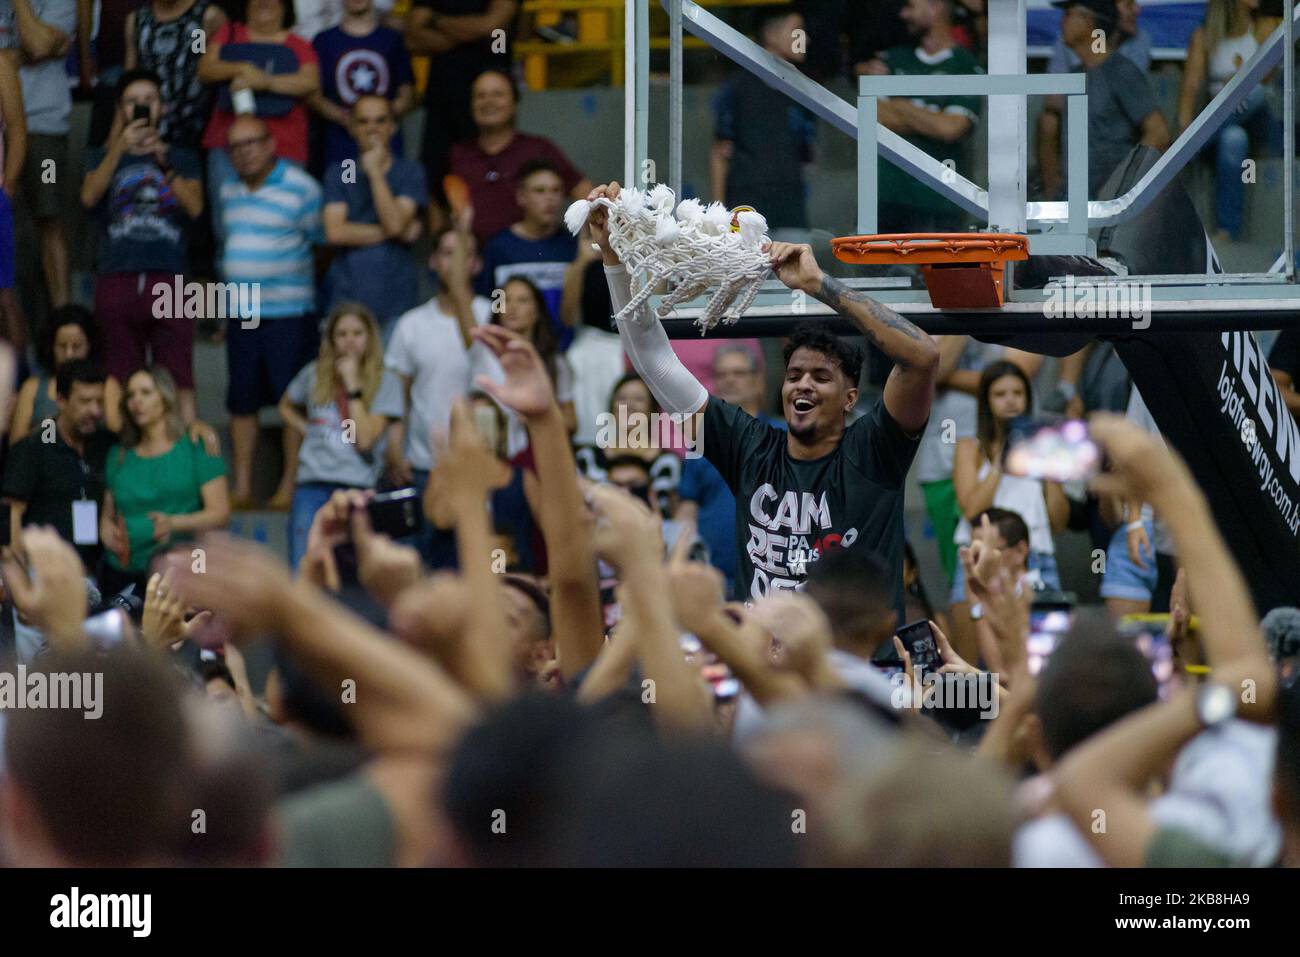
x=652, y=355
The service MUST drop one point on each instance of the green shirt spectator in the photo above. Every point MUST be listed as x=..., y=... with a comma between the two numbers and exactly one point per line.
x=907, y=205
x=171, y=483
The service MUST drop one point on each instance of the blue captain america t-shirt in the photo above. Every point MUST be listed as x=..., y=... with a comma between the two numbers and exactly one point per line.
x=351, y=67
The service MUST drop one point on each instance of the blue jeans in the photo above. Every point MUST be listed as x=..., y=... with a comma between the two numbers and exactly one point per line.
x=308, y=497
x=1123, y=579
x=1255, y=117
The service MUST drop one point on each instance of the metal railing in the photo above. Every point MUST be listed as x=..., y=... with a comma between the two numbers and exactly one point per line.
x=786, y=79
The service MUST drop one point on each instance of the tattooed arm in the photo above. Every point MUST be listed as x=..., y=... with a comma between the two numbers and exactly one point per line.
x=910, y=388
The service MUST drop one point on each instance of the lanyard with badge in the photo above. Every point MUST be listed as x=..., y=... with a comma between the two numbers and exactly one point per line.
x=85, y=512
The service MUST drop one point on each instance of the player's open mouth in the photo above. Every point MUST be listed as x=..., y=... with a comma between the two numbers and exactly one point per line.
x=803, y=405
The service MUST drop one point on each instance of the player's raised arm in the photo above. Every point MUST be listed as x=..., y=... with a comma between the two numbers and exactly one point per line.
x=910, y=388
x=644, y=339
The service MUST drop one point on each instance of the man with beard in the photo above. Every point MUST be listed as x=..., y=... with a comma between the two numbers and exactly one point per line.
x=826, y=482
x=56, y=474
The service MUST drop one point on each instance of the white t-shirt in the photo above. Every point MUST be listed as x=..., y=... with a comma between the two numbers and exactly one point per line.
x=426, y=348
x=1025, y=497
x=1219, y=790
x=597, y=360
x=961, y=409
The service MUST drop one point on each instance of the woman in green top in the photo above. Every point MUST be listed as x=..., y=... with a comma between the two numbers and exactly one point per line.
x=161, y=486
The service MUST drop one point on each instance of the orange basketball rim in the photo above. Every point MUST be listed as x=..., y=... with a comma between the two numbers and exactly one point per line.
x=962, y=270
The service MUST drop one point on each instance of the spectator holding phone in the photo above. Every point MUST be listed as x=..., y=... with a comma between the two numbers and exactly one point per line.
x=342, y=404
x=1004, y=394
x=146, y=194
x=162, y=485
x=160, y=36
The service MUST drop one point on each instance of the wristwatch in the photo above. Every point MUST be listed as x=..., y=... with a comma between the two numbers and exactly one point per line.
x=354, y=395
x=1215, y=704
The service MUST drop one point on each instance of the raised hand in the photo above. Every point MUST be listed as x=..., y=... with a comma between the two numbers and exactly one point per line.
x=697, y=592
x=527, y=386
x=163, y=623
x=953, y=663
x=802, y=631
x=466, y=466
x=1141, y=465
x=384, y=567
x=329, y=527
x=241, y=582
x=795, y=265
x=598, y=219
x=51, y=591
x=627, y=532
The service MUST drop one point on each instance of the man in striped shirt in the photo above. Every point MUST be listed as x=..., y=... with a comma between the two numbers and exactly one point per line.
x=272, y=217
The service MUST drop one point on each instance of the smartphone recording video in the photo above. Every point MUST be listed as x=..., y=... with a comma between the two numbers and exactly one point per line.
x=1149, y=633
x=1058, y=451
x=919, y=641
x=1049, y=622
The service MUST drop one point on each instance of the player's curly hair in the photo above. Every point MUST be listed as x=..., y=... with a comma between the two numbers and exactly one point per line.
x=810, y=335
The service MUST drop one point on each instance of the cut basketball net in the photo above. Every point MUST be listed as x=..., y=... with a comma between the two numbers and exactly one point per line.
x=693, y=247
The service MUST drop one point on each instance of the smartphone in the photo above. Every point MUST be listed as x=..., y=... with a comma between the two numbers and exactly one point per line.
x=487, y=424
x=396, y=514
x=1048, y=624
x=4, y=525
x=1058, y=451
x=1148, y=632
x=141, y=112
x=106, y=630
x=919, y=642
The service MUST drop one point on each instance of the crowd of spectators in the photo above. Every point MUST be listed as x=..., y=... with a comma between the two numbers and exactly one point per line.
x=593, y=642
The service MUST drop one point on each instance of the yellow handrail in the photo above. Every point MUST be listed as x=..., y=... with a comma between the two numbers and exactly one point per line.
x=545, y=6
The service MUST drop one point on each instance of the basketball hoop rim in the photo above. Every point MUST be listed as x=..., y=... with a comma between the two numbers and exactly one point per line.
x=931, y=248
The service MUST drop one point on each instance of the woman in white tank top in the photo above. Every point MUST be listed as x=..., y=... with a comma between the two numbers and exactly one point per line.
x=1004, y=394
x=1222, y=45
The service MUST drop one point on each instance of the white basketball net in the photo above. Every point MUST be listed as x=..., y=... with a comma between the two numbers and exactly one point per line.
x=694, y=247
